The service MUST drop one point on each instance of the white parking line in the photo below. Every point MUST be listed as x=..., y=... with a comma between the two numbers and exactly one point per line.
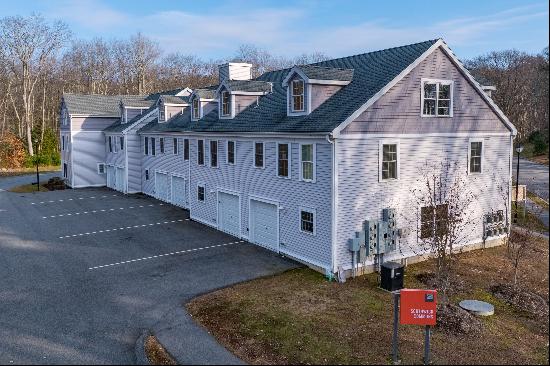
x=95, y=211
x=79, y=198
x=121, y=228
x=166, y=254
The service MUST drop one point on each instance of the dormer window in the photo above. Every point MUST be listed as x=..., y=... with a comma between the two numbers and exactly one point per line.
x=162, y=115
x=196, y=109
x=297, y=96
x=226, y=103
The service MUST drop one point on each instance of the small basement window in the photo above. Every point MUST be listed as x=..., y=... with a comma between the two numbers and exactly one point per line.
x=200, y=193
x=100, y=168
x=146, y=174
x=437, y=98
x=307, y=221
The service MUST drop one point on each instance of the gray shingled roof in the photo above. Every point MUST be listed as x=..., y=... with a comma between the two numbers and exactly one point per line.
x=118, y=126
x=102, y=105
x=206, y=93
x=248, y=86
x=326, y=73
x=372, y=72
x=172, y=99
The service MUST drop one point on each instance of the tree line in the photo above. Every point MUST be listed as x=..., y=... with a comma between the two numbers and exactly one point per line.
x=40, y=60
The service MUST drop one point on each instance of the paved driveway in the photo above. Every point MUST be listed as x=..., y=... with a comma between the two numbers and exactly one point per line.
x=83, y=272
x=534, y=175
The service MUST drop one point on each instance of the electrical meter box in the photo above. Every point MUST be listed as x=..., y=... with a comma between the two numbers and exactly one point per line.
x=383, y=238
x=357, y=242
x=371, y=236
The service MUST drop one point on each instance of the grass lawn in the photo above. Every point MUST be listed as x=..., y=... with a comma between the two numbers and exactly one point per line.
x=541, y=159
x=27, y=188
x=298, y=317
x=23, y=171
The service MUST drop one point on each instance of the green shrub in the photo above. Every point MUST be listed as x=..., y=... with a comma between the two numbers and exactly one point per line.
x=539, y=142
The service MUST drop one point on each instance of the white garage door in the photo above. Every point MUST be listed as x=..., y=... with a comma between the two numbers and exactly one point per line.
x=228, y=213
x=162, y=186
x=111, y=177
x=120, y=179
x=179, y=191
x=264, y=224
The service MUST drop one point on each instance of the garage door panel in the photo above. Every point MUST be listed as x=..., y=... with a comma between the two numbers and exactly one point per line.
x=179, y=191
x=111, y=177
x=162, y=186
x=229, y=213
x=264, y=224
x=119, y=183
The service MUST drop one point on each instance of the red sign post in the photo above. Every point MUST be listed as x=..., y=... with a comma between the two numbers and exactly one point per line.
x=418, y=307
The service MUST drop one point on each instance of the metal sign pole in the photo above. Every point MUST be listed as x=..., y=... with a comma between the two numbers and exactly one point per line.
x=427, y=346
x=395, y=347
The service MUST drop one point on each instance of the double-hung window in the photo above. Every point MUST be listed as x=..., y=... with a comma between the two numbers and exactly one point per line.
x=226, y=103
x=307, y=162
x=297, y=96
x=121, y=140
x=175, y=146
x=200, y=193
x=110, y=144
x=389, y=163
x=283, y=160
x=186, y=149
x=307, y=221
x=259, y=154
x=200, y=152
x=153, y=146
x=437, y=98
x=62, y=143
x=196, y=109
x=230, y=152
x=146, y=145
x=434, y=221
x=214, y=153
x=162, y=115
x=161, y=143
x=476, y=156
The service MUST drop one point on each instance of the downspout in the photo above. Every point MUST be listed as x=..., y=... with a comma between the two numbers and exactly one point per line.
x=334, y=197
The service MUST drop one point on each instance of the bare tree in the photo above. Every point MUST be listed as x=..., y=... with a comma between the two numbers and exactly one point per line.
x=446, y=213
x=28, y=43
x=143, y=54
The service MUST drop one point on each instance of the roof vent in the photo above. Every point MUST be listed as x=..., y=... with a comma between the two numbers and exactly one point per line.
x=235, y=71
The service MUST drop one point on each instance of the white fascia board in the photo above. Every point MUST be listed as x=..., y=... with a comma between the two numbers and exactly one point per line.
x=242, y=135
x=147, y=115
x=183, y=104
x=328, y=82
x=384, y=90
x=479, y=88
x=185, y=92
x=375, y=135
x=440, y=43
x=93, y=115
x=247, y=93
x=291, y=73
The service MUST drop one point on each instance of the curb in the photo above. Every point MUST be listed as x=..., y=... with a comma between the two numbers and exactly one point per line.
x=139, y=348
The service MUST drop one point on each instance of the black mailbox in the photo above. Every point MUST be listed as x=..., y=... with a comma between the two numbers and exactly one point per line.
x=392, y=276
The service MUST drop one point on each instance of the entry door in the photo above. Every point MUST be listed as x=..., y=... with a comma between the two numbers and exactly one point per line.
x=111, y=176
x=162, y=186
x=179, y=191
x=229, y=213
x=264, y=224
x=120, y=179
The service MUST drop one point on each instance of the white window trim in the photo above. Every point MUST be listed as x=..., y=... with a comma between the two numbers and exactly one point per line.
x=147, y=174
x=203, y=153
x=309, y=210
x=289, y=160
x=175, y=146
x=436, y=81
x=200, y=184
x=231, y=106
x=254, y=154
x=104, y=168
x=470, y=154
x=314, y=163
x=193, y=117
x=381, y=144
x=217, y=153
x=234, y=152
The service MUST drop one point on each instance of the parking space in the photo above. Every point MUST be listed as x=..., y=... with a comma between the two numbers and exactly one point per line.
x=84, y=271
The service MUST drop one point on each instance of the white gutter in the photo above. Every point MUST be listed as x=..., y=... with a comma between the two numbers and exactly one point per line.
x=334, y=198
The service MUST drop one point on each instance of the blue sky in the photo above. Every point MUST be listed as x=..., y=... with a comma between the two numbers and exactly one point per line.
x=214, y=29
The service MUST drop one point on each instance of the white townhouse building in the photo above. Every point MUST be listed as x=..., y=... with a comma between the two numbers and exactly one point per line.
x=298, y=159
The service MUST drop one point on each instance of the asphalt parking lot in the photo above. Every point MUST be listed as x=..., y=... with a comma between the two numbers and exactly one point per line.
x=85, y=271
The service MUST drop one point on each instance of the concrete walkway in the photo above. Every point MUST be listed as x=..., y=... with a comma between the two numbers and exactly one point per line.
x=189, y=343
